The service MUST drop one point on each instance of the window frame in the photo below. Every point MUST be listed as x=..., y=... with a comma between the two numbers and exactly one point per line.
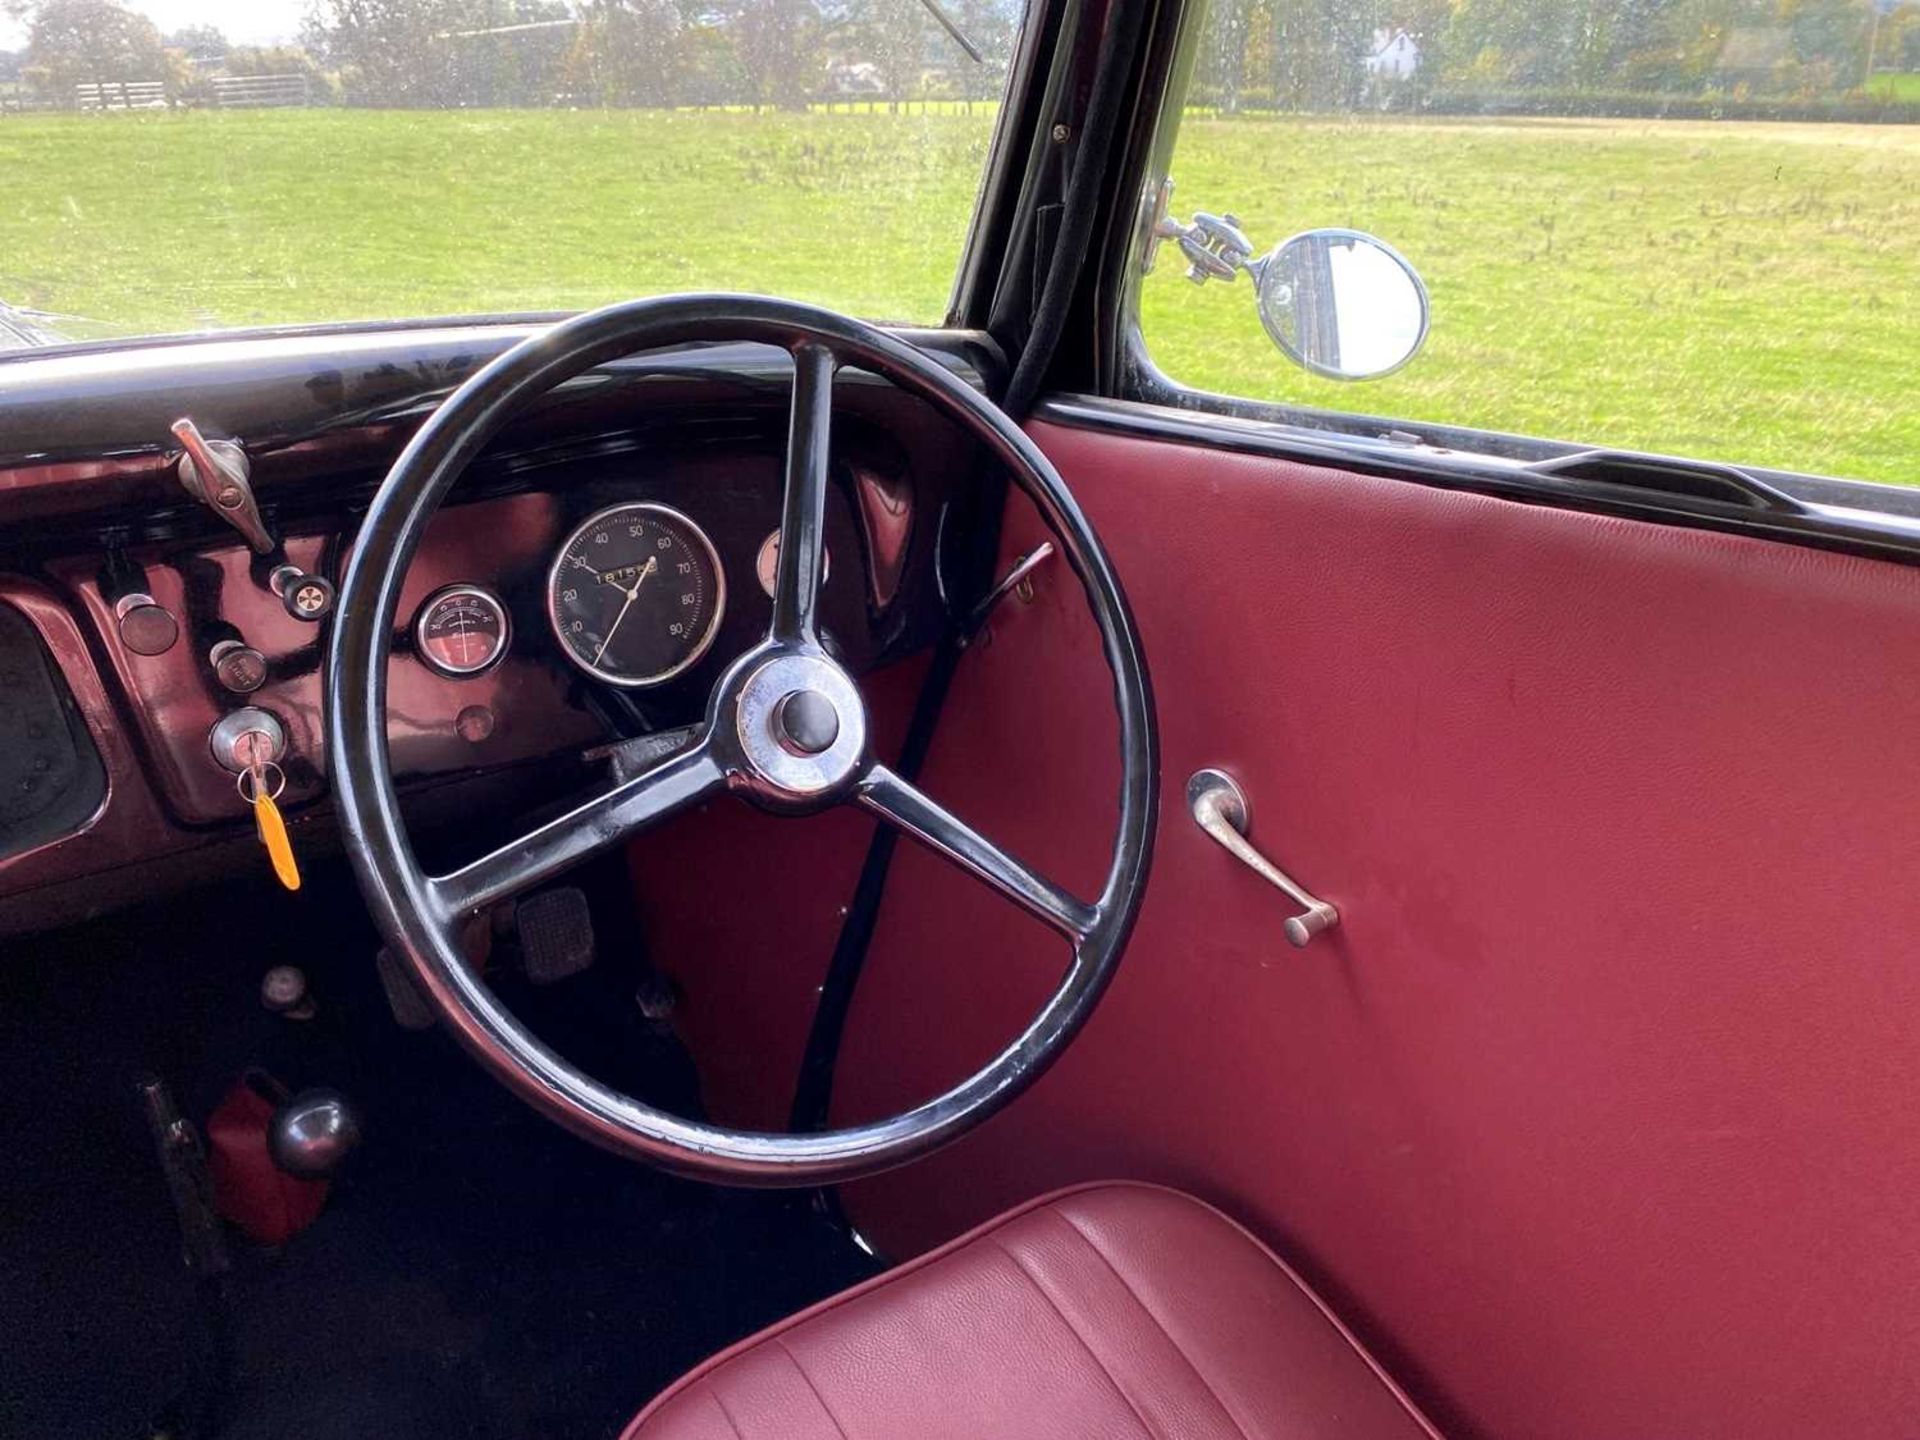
x=1116, y=383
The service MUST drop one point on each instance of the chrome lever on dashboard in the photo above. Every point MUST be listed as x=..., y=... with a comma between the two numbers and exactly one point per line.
x=215, y=472
x=1219, y=807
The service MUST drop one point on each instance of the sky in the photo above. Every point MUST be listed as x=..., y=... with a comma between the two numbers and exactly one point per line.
x=245, y=22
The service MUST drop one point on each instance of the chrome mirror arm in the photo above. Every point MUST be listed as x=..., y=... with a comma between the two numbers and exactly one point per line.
x=1215, y=246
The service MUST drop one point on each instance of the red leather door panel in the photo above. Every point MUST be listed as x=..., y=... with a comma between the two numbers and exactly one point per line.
x=1596, y=1114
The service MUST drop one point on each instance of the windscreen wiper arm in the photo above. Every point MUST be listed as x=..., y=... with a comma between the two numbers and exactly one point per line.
x=947, y=23
x=22, y=328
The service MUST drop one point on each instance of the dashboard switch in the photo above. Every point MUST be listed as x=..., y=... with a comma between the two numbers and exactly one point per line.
x=146, y=628
x=306, y=597
x=238, y=667
x=246, y=737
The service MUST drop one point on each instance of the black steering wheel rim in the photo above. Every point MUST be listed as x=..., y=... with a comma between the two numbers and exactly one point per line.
x=419, y=914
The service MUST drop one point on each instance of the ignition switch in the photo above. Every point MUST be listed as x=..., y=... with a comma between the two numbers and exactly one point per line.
x=248, y=736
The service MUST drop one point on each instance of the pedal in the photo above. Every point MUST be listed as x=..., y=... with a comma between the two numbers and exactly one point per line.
x=556, y=934
x=183, y=1160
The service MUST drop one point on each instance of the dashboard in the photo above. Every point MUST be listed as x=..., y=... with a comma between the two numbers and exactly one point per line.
x=585, y=581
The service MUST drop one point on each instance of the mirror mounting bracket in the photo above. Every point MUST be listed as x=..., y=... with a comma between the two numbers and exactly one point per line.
x=1215, y=246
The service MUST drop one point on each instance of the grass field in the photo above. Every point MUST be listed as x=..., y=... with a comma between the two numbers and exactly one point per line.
x=1896, y=85
x=1748, y=292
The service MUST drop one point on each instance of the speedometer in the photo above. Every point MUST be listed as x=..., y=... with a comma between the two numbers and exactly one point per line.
x=636, y=594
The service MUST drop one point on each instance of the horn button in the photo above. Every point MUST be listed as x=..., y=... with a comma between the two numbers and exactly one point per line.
x=805, y=722
x=801, y=726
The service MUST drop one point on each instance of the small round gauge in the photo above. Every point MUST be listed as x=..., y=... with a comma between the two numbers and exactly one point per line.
x=636, y=594
x=461, y=630
x=767, y=563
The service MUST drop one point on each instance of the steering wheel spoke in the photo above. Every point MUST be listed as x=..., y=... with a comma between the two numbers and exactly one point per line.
x=916, y=814
x=797, y=578
x=634, y=805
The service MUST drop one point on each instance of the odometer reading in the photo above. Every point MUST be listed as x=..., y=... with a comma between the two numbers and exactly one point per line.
x=636, y=594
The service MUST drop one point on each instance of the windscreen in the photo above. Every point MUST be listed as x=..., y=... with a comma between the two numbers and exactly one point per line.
x=178, y=165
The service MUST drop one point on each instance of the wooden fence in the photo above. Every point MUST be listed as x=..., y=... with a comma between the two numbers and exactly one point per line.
x=121, y=95
x=260, y=92
x=229, y=92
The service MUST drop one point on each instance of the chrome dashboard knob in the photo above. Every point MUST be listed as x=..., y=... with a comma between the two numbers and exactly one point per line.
x=313, y=1133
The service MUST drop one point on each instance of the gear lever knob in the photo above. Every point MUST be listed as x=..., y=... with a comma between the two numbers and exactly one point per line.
x=313, y=1133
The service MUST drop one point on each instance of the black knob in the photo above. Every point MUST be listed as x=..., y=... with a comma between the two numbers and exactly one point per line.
x=806, y=722
x=306, y=597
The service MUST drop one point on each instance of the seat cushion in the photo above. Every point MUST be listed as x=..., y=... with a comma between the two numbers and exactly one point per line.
x=1114, y=1310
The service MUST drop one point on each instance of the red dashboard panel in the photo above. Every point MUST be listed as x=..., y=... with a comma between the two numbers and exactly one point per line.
x=503, y=544
x=129, y=817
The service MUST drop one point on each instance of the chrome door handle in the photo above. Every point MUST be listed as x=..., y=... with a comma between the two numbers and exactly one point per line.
x=1219, y=807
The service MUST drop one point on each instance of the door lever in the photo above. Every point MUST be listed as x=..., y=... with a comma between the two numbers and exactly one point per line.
x=1219, y=807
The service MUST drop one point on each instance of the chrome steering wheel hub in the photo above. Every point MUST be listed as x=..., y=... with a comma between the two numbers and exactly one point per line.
x=801, y=726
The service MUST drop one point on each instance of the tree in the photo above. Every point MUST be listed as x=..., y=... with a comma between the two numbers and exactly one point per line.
x=1829, y=41
x=408, y=52
x=626, y=52
x=892, y=36
x=1220, y=68
x=1319, y=51
x=778, y=42
x=75, y=42
x=198, y=42
x=1899, y=47
x=710, y=68
x=990, y=25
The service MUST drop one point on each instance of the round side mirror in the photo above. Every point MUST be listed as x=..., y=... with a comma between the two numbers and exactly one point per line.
x=1341, y=303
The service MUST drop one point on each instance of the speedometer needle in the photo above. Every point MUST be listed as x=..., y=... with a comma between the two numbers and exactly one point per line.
x=627, y=604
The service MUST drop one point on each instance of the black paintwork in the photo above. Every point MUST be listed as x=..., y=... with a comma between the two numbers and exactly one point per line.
x=278, y=388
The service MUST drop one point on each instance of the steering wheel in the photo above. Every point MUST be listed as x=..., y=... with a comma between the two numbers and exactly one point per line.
x=785, y=727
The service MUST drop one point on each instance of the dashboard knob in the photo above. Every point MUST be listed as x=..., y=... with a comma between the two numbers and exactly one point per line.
x=306, y=597
x=239, y=667
x=313, y=1133
x=146, y=628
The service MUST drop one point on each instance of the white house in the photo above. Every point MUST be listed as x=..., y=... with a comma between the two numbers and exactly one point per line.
x=1394, y=55
x=855, y=79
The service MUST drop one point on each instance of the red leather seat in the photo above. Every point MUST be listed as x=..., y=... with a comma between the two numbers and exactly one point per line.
x=1112, y=1310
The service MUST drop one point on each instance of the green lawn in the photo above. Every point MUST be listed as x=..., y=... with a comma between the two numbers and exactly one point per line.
x=1896, y=85
x=1750, y=292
